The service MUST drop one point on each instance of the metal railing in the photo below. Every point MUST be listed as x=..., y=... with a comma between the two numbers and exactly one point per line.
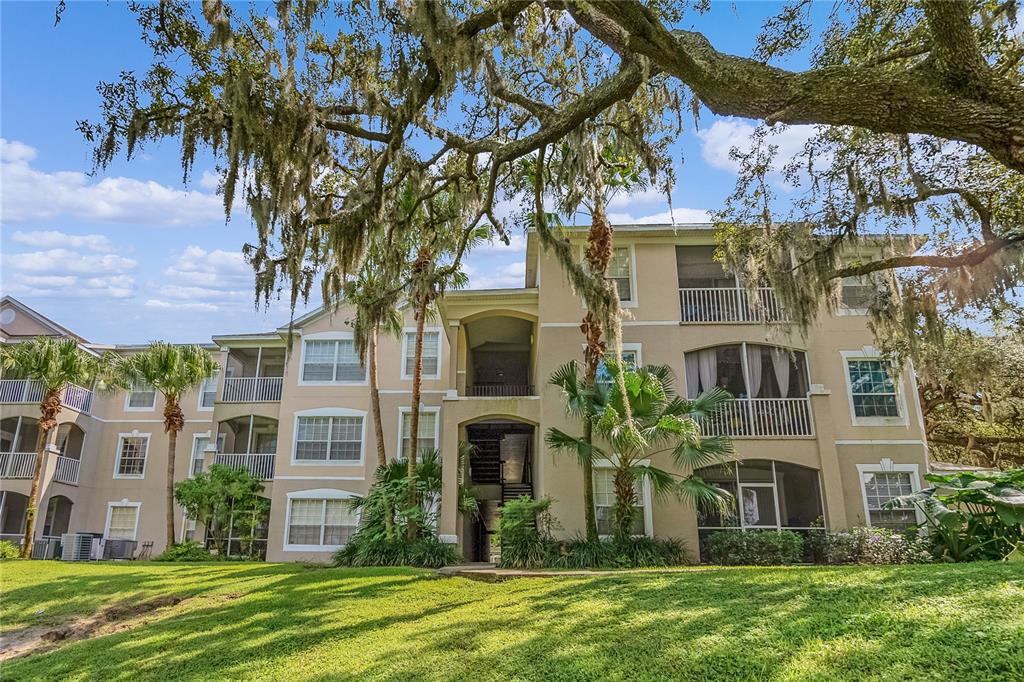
x=500, y=390
x=252, y=389
x=20, y=391
x=753, y=417
x=730, y=305
x=29, y=391
x=260, y=466
x=17, y=464
x=67, y=470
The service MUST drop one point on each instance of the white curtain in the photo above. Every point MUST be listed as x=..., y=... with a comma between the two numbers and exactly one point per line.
x=692, y=375
x=753, y=370
x=780, y=363
x=707, y=362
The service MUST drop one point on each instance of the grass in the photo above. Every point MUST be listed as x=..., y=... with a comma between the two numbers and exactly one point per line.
x=274, y=622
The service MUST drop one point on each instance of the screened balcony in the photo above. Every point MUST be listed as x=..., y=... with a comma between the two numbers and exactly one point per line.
x=770, y=386
x=250, y=443
x=27, y=391
x=709, y=293
x=254, y=375
x=500, y=357
x=18, y=447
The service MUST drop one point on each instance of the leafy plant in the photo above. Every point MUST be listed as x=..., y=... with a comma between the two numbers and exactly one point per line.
x=637, y=551
x=9, y=550
x=864, y=545
x=187, y=551
x=754, y=547
x=225, y=498
x=524, y=529
x=971, y=515
x=376, y=550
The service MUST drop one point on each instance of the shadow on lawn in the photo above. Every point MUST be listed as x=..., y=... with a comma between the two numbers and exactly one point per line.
x=854, y=622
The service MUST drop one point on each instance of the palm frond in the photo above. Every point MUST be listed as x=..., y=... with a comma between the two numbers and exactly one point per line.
x=559, y=441
x=704, y=497
x=663, y=483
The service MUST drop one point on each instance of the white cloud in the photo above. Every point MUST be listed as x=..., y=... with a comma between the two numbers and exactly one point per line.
x=506, y=276
x=197, y=279
x=31, y=194
x=728, y=133
x=516, y=245
x=681, y=215
x=166, y=305
x=49, y=239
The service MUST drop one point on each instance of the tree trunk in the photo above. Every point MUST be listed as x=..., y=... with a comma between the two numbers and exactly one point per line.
x=378, y=425
x=49, y=408
x=589, y=509
x=174, y=421
x=414, y=417
x=625, y=503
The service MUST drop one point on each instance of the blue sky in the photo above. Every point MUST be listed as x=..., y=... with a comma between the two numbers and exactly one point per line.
x=132, y=254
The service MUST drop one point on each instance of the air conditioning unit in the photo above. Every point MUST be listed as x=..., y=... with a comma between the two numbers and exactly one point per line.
x=119, y=549
x=77, y=547
x=48, y=548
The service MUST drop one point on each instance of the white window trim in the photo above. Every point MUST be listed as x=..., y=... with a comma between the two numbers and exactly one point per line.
x=122, y=503
x=887, y=466
x=869, y=353
x=145, y=460
x=328, y=336
x=216, y=384
x=328, y=412
x=128, y=397
x=317, y=494
x=633, y=301
x=440, y=351
x=402, y=411
x=646, y=486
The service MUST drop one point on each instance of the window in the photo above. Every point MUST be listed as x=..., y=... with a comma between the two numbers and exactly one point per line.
x=879, y=488
x=333, y=361
x=427, y=437
x=630, y=359
x=208, y=393
x=604, y=502
x=199, y=445
x=122, y=520
x=856, y=293
x=329, y=438
x=319, y=523
x=131, y=456
x=872, y=388
x=620, y=271
x=431, y=354
x=142, y=396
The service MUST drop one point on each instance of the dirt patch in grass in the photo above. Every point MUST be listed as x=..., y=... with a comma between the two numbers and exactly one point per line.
x=39, y=639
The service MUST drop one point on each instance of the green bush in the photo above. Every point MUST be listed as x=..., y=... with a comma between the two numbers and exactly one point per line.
x=754, y=547
x=377, y=550
x=9, y=550
x=633, y=552
x=524, y=531
x=186, y=551
x=864, y=545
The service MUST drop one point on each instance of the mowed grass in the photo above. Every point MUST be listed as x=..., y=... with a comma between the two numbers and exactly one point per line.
x=288, y=622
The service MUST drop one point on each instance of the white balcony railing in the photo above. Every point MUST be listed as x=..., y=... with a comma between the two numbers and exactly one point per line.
x=759, y=417
x=67, y=470
x=17, y=464
x=77, y=398
x=252, y=389
x=730, y=305
x=28, y=391
x=20, y=391
x=261, y=466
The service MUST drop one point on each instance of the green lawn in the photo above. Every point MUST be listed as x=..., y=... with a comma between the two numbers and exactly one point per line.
x=287, y=622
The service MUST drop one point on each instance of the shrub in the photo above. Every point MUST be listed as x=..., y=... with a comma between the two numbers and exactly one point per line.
x=863, y=545
x=9, y=550
x=754, y=547
x=186, y=551
x=633, y=552
x=377, y=550
x=524, y=530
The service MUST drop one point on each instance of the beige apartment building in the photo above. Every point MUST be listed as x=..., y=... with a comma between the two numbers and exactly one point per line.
x=820, y=428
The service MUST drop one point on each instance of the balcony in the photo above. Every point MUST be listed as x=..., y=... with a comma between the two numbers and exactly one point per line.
x=260, y=466
x=763, y=417
x=708, y=304
x=67, y=470
x=26, y=391
x=500, y=390
x=17, y=464
x=252, y=389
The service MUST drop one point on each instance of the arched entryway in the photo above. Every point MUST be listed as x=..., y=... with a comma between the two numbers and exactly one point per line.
x=768, y=494
x=58, y=516
x=500, y=468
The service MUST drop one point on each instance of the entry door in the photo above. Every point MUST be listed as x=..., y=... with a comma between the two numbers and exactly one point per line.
x=759, y=505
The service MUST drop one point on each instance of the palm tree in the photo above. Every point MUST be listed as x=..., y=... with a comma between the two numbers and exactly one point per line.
x=54, y=363
x=638, y=417
x=173, y=371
